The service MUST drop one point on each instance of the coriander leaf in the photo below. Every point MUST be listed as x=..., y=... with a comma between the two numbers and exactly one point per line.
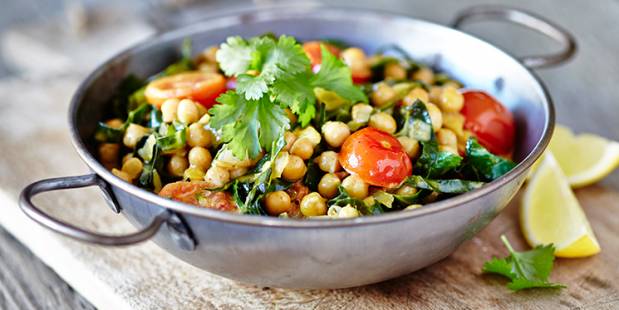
x=529, y=269
x=252, y=86
x=286, y=56
x=295, y=92
x=448, y=186
x=482, y=164
x=248, y=126
x=335, y=75
x=234, y=56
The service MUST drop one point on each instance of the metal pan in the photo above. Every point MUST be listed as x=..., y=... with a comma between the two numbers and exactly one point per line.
x=318, y=254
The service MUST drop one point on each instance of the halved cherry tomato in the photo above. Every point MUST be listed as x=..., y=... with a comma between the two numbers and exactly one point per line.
x=314, y=53
x=202, y=87
x=361, y=77
x=197, y=193
x=489, y=121
x=376, y=157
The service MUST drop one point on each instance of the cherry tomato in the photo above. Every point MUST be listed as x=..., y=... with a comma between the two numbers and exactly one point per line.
x=490, y=122
x=376, y=157
x=361, y=77
x=202, y=87
x=197, y=193
x=314, y=53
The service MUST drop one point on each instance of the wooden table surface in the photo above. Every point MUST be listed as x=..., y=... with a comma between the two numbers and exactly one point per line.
x=587, y=99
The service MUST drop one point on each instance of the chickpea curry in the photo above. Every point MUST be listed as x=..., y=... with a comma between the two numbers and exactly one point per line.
x=271, y=126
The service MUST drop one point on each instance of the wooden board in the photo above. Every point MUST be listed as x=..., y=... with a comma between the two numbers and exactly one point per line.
x=35, y=144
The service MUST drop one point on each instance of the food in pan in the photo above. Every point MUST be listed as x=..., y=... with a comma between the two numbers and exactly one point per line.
x=271, y=126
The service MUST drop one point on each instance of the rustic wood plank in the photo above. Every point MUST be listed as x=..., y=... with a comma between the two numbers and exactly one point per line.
x=27, y=283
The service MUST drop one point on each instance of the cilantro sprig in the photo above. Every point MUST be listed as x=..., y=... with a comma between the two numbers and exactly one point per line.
x=272, y=74
x=529, y=269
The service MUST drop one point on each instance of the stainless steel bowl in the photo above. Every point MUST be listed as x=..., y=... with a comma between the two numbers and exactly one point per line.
x=316, y=253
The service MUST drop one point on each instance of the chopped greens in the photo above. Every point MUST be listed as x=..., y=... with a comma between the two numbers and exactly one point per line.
x=484, y=165
x=447, y=186
x=529, y=269
x=435, y=163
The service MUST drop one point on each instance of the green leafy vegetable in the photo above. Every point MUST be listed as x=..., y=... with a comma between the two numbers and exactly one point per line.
x=105, y=133
x=248, y=126
x=398, y=201
x=435, y=163
x=344, y=199
x=416, y=122
x=448, y=186
x=484, y=165
x=297, y=90
x=529, y=269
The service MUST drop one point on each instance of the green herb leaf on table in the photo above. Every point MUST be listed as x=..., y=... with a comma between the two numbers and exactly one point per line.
x=484, y=165
x=529, y=269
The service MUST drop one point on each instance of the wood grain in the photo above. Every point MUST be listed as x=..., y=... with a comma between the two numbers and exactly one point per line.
x=27, y=283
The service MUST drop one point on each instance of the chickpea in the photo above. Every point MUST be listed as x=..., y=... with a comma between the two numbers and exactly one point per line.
x=205, y=119
x=108, y=152
x=410, y=146
x=201, y=110
x=238, y=172
x=425, y=75
x=435, y=115
x=168, y=110
x=406, y=190
x=217, y=177
x=295, y=169
x=356, y=59
x=126, y=157
x=277, y=203
x=435, y=94
x=348, y=212
x=114, y=123
x=383, y=95
x=121, y=174
x=187, y=111
x=394, y=71
x=384, y=122
x=328, y=162
x=413, y=207
x=133, y=134
x=361, y=112
x=198, y=136
x=290, y=138
x=449, y=148
x=313, y=205
x=200, y=157
x=355, y=187
x=302, y=148
x=455, y=122
x=193, y=173
x=450, y=100
x=133, y=167
x=446, y=137
x=416, y=94
x=310, y=133
x=335, y=133
x=177, y=165
x=327, y=187
x=208, y=67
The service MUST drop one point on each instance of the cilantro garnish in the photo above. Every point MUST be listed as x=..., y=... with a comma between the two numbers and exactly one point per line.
x=529, y=269
x=272, y=74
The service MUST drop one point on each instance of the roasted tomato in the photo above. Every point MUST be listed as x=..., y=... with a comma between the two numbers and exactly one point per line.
x=202, y=87
x=491, y=123
x=197, y=193
x=375, y=156
x=314, y=53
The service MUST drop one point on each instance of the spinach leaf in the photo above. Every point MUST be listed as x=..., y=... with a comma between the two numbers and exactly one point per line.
x=435, y=163
x=172, y=141
x=396, y=201
x=415, y=122
x=343, y=199
x=483, y=165
x=447, y=186
x=150, y=177
x=105, y=133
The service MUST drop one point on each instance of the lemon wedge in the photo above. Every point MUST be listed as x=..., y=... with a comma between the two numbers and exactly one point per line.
x=584, y=159
x=550, y=213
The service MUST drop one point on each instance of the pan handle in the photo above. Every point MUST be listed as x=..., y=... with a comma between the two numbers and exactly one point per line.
x=529, y=20
x=66, y=229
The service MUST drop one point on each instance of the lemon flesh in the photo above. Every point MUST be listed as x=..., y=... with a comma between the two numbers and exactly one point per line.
x=584, y=159
x=550, y=213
